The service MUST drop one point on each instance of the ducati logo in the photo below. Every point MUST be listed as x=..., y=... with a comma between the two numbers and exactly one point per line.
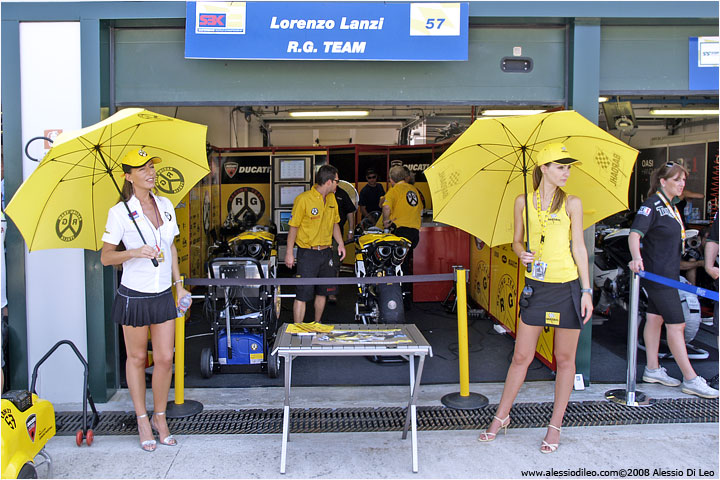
x=231, y=168
x=31, y=424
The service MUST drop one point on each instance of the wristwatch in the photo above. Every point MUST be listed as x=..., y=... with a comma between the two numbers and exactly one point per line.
x=586, y=290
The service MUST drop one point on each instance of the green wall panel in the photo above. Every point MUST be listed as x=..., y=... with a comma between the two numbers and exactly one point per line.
x=150, y=68
x=647, y=58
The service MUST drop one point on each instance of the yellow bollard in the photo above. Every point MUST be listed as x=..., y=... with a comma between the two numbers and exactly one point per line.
x=179, y=408
x=464, y=357
x=463, y=400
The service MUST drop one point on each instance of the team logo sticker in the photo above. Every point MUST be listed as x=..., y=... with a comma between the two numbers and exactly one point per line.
x=68, y=225
x=244, y=200
x=170, y=180
x=168, y=216
x=314, y=211
x=411, y=198
x=9, y=419
x=645, y=211
x=31, y=424
x=231, y=168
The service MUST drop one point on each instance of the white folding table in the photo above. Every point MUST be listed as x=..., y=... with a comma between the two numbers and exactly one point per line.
x=289, y=346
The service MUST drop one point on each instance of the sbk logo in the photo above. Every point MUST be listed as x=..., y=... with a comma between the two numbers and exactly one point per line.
x=212, y=20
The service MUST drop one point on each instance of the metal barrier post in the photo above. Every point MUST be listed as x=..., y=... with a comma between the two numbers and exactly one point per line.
x=181, y=408
x=463, y=400
x=630, y=396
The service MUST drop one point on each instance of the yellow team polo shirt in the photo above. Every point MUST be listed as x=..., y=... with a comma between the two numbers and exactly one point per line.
x=405, y=205
x=314, y=218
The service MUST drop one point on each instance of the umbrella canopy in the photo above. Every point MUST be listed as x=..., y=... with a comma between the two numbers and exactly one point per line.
x=475, y=182
x=65, y=201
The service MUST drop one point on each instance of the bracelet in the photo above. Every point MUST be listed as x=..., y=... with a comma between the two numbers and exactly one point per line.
x=177, y=281
x=586, y=290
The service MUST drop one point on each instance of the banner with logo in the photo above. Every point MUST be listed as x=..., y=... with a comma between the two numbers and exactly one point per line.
x=410, y=31
x=704, y=63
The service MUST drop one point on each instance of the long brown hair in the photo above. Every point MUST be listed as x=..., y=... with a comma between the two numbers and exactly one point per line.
x=560, y=195
x=668, y=170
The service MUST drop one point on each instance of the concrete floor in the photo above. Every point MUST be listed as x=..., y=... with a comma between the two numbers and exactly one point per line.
x=674, y=450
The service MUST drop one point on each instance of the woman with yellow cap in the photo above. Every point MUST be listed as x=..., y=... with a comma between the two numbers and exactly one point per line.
x=146, y=225
x=557, y=289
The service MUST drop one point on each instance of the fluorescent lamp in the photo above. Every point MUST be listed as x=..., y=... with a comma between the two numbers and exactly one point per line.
x=505, y=113
x=603, y=99
x=332, y=113
x=667, y=112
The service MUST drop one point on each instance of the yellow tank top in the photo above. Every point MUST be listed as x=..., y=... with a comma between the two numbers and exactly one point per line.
x=555, y=250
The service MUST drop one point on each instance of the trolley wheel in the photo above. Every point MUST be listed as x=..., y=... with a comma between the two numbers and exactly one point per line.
x=79, y=437
x=206, y=363
x=89, y=437
x=28, y=471
x=273, y=365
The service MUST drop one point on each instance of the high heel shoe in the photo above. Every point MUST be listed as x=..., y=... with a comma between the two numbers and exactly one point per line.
x=146, y=445
x=169, y=440
x=488, y=436
x=551, y=447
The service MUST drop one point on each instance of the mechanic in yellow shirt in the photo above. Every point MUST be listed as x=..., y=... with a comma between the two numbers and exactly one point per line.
x=403, y=207
x=313, y=225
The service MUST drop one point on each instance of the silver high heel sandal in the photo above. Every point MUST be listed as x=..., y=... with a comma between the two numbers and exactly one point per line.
x=169, y=440
x=551, y=447
x=147, y=445
x=489, y=437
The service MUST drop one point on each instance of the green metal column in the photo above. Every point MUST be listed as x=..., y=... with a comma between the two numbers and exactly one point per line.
x=101, y=332
x=584, y=89
x=14, y=244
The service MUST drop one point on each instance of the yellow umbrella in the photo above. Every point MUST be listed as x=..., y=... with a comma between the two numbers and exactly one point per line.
x=65, y=202
x=475, y=182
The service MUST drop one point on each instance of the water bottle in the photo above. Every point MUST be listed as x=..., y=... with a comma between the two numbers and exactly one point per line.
x=183, y=305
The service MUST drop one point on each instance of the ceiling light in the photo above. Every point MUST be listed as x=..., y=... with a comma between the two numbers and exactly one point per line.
x=505, y=113
x=603, y=99
x=332, y=113
x=667, y=112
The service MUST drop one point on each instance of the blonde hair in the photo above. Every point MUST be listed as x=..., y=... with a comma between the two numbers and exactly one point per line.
x=560, y=195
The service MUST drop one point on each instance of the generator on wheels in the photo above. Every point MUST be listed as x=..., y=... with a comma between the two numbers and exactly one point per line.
x=244, y=319
x=379, y=253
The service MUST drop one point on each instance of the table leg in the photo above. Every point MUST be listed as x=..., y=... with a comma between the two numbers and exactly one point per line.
x=411, y=415
x=286, y=412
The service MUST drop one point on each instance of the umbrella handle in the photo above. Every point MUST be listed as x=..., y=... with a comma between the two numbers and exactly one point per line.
x=155, y=262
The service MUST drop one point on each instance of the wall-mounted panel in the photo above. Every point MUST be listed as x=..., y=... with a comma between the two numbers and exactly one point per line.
x=150, y=69
x=647, y=57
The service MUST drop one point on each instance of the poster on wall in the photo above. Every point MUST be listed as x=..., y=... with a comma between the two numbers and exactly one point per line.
x=711, y=184
x=694, y=158
x=648, y=160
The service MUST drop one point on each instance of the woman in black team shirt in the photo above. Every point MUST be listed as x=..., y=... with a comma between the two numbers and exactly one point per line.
x=660, y=226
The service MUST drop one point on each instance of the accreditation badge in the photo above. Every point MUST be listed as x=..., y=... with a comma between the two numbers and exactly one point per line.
x=552, y=318
x=539, y=269
x=161, y=256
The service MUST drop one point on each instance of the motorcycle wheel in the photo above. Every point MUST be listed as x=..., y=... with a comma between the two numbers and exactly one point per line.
x=390, y=303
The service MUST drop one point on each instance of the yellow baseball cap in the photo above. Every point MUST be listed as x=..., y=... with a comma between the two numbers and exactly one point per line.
x=555, y=152
x=138, y=158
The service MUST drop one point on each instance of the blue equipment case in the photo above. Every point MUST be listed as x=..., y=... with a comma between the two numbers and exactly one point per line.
x=247, y=348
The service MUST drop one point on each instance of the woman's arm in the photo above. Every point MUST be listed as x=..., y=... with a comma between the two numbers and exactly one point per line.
x=636, y=264
x=111, y=256
x=518, y=244
x=177, y=279
x=690, y=194
x=579, y=252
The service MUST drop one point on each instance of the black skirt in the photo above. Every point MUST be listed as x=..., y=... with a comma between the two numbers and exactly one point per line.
x=552, y=304
x=139, y=309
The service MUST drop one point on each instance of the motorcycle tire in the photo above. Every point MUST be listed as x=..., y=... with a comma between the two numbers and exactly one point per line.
x=390, y=303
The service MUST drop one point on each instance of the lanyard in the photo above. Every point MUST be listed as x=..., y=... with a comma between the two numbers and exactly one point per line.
x=542, y=218
x=676, y=215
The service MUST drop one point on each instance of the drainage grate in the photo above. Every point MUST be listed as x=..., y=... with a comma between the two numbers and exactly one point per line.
x=316, y=420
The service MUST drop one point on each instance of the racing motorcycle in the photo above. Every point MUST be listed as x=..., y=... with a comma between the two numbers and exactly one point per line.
x=379, y=253
x=611, y=292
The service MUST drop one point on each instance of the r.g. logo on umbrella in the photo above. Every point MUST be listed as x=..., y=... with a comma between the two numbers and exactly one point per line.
x=68, y=225
x=170, y=180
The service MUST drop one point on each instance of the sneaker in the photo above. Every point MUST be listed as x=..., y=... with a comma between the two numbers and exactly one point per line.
x=708, y=321
x=659, y=376
x=698, y=386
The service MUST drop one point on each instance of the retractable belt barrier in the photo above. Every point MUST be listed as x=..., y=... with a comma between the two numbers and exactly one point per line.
x=629, y=396
x=700, y=292
x=237, y=282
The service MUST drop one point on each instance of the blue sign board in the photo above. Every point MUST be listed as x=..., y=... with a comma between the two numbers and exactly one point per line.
x=703, y=69
x=327, y=30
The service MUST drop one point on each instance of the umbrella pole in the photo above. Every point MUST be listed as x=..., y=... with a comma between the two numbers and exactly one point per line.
x=527, y=215
x=117, y=187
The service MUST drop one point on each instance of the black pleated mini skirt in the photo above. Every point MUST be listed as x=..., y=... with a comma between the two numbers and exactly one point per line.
x=552, y=304
x=139, y=309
